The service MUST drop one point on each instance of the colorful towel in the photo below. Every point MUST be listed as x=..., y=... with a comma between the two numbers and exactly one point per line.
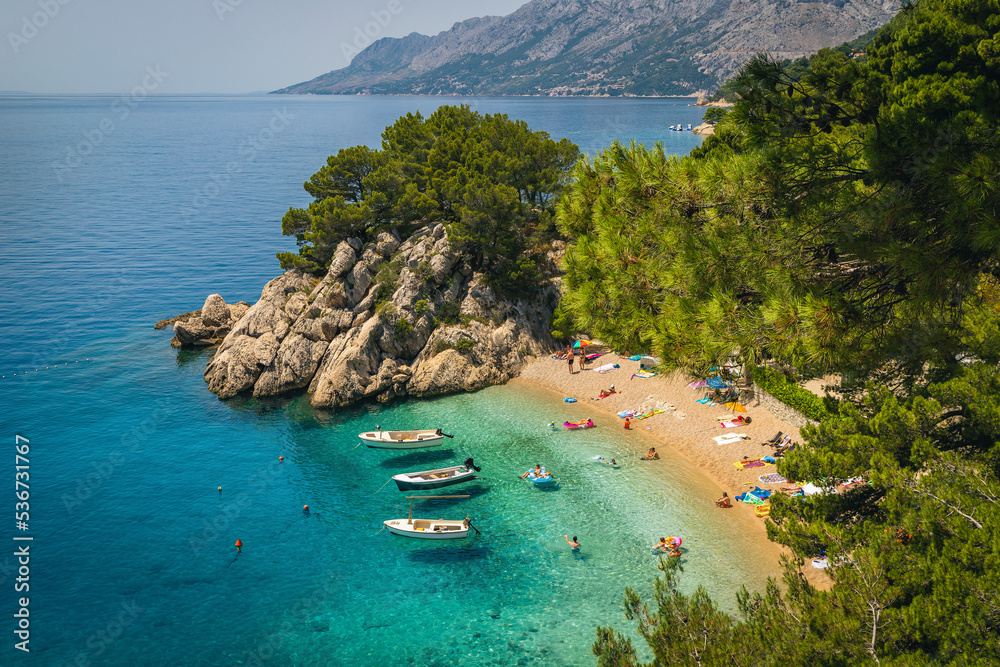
x=643, y=374
x=750, y=463
x=635, y=357
x=628, y=413
x=731, y=424
x=647, y=415
x=591, y=357
x=606, y=368
x=773, y=478
x=705, y=401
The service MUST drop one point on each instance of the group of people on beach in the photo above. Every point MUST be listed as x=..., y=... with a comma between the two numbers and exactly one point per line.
x=569, y=354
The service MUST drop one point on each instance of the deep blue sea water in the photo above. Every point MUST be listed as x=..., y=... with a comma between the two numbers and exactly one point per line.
x=114, y=216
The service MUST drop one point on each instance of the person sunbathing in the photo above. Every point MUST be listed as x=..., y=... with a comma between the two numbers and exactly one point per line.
x=724, y=501
x=607, y=392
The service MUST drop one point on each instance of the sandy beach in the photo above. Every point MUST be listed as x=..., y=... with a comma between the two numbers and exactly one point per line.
x=686, y=430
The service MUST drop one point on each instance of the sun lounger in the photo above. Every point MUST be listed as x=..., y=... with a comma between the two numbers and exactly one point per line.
x=773, y=441
x=784, y=449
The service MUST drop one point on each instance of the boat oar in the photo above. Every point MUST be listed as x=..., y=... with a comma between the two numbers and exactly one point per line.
x=447, y=435
x=474, y=528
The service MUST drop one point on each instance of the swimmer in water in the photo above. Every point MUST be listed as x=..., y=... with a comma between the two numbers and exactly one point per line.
x=573, y=544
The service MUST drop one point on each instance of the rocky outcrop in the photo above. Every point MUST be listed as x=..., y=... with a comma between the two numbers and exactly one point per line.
x=390, y=318
x=207, y=326
x=704, y=129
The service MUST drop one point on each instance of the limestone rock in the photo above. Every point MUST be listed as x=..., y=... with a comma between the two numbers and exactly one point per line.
x=343, y=259
x=292, y=367
x=326, y=335
x=238, y=310
x=215, y=312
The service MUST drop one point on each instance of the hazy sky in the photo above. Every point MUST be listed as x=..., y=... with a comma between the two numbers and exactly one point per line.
x=194, y=46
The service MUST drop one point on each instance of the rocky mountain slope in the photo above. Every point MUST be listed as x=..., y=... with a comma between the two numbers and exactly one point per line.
x=601, y=47
x=388, y=319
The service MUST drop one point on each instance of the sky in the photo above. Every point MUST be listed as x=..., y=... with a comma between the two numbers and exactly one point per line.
x=203, y=46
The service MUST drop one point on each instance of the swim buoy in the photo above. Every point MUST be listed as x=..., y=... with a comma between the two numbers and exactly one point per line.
x=570, y=399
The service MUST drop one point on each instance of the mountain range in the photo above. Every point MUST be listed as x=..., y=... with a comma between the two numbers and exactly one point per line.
x=601, y=47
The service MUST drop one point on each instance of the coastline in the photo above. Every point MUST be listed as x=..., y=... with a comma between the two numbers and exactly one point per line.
x=686, y=431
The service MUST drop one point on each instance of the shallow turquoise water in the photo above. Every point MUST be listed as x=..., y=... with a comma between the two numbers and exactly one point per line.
x=133, y=559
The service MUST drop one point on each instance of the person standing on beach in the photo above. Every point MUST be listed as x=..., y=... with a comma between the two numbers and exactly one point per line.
x=569, y=357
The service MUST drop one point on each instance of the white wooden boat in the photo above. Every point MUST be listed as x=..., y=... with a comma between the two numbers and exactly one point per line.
x=402, y=439
x=429, y=529
x=433, y=479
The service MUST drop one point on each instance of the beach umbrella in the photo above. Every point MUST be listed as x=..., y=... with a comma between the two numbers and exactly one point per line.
x=735, y=407
x=696, y=384
x=582, y=343
x=716, y=383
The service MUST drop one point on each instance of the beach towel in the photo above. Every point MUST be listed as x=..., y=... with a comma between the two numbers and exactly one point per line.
x=606, y=368
x=773, y=478
x=591, y=357
x=705, y=401
x=643, y=374
x=727, y=439
x=628, y=413
x=635, y=357
x=749, y=497
x=750, y=463
x=731, y=424
x=647, y=415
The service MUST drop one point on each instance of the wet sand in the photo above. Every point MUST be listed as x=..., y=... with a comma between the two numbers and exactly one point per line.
x=687, y=430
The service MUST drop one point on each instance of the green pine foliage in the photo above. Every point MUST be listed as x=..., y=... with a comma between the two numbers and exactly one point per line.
x=490, y=179
x=843, y=219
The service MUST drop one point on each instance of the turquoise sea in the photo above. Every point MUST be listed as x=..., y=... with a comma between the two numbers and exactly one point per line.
x=115, y=214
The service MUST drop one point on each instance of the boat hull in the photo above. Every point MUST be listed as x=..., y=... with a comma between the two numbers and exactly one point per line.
x=411, y=485
x=401, y=439
x=428, y=529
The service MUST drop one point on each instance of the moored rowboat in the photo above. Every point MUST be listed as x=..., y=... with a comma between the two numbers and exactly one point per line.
x=402, y=439
x=433, y=479
x=429, y=529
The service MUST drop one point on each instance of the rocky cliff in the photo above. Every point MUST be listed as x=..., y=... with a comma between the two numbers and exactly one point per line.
x=388, y=319
x=601, y=47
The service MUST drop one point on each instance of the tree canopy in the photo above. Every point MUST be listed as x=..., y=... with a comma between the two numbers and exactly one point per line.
x=491, y=179
x=843, y=218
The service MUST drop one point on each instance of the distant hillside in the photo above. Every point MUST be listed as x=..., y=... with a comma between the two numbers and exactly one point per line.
x=601, y=47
